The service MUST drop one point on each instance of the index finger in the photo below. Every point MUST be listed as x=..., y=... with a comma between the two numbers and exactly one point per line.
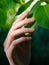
x=22, y=16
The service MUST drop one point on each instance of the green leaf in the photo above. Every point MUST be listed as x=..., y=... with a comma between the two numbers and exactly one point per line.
x=2, y=18
x=8, y=7
x=23, y=7
x=42, y=16
x=32, y=13
x=1, y=5
x=34, y=9
x=19, y=1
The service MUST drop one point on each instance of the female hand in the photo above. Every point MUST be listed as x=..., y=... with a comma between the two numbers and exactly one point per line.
x=17, y=29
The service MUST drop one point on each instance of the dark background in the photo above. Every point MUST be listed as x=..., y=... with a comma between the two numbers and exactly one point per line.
x=39, y=46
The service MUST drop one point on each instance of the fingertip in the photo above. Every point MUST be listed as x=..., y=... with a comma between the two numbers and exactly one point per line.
x=23, y=15
x=27, y=12
x=32, y=29
x=33, y=19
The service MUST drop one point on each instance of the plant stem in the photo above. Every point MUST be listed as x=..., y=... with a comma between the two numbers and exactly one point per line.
x=32, y=4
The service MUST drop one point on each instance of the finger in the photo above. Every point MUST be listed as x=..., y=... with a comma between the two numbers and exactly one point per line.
x=18, y=41
x=21, y=17
x=21, y=31
x=22, y=23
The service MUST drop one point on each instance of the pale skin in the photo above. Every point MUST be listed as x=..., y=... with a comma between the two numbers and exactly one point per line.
x=17, y=29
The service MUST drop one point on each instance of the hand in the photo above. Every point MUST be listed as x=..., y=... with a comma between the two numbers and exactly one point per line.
x=17, y=29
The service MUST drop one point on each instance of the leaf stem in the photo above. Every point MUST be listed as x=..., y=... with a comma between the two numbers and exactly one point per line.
x=32, y=4
x=29, y=8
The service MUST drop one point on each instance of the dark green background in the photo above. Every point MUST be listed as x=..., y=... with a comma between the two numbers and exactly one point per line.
x=39, y=46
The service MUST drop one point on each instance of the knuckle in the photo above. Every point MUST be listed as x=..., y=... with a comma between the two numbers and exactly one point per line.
x=13, y=42
x=13, y=45
x=11, y=35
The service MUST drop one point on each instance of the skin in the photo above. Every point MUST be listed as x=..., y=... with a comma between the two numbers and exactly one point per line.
x=11, y=42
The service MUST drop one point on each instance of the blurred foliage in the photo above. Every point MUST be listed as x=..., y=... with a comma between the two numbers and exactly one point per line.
x=9, y=9
x=45, y=1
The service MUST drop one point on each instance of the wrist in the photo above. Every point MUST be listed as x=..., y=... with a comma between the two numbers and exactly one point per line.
x=11, y=62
